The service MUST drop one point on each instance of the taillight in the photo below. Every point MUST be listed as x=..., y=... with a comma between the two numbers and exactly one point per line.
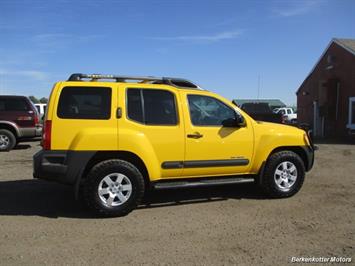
x=46, y=136
x=36, y=120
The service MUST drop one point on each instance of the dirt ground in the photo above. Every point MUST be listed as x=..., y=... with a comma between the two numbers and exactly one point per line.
x=41, y=223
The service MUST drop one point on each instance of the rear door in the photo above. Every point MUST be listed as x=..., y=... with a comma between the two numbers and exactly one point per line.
x=153, y=119
x=212, y=149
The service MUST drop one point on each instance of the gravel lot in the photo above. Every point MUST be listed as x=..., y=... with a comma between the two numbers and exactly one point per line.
x=41, y=223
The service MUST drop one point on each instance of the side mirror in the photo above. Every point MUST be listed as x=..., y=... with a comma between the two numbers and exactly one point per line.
x=230, y=122
x=238, y=121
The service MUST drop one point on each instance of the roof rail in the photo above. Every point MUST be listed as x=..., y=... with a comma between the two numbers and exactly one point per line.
x=177, y=82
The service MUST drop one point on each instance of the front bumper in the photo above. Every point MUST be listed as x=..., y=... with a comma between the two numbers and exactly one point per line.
x=309, y=152
x=60, y=166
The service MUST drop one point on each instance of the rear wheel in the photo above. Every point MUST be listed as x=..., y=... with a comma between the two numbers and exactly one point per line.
x=113, y=188
x=283, y=175
x=7, y=140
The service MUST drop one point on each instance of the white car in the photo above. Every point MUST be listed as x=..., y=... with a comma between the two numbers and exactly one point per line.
x=288, y=115
x=41, y=107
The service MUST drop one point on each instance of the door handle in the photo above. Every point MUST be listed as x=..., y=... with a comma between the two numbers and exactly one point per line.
x=119, y=112
x=195, y=135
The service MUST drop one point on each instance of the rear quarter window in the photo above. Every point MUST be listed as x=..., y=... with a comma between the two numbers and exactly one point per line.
x=85, y=103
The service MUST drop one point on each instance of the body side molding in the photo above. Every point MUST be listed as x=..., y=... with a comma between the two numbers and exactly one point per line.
x=204, y=163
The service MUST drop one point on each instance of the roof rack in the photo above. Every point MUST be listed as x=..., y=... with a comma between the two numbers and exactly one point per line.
x=177, y=82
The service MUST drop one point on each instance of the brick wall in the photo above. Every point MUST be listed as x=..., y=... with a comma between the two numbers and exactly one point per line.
x=336, y=66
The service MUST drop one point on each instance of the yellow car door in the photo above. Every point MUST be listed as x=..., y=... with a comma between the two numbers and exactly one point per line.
x=214, y=143
x=153, y=127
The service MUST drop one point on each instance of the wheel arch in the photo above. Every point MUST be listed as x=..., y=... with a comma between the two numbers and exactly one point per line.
x=296, y=149
x=121, y=155
x=11, y=127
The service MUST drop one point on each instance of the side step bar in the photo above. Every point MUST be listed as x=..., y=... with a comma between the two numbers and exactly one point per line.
x=201, y=183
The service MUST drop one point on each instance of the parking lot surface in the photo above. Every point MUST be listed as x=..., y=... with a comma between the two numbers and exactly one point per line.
x=41, y=223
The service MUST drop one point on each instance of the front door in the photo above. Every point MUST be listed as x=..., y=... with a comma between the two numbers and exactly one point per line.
x=212, y=149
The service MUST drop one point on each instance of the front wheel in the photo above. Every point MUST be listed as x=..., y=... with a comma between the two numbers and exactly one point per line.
x=113, y=188
x=283, y=175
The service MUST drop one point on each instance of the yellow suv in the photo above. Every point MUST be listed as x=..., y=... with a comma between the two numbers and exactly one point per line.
x=114, y=137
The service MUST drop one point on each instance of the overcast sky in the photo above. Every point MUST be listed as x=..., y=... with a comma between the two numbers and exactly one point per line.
x=223, y=45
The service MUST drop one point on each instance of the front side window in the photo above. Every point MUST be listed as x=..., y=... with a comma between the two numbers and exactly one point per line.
x=208, y=111
x=85, y=103
x=352, y=108
x=151, y=106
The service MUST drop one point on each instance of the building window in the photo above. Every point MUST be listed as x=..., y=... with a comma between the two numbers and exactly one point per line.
x=351, y=124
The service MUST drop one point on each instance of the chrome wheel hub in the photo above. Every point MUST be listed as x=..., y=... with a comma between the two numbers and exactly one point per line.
x=285, y=175
x=4, y=141
x=114, y=189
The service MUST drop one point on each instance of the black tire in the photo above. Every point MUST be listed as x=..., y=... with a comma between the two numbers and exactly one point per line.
x=270, y=178
x=113, y=168
x=7, y=140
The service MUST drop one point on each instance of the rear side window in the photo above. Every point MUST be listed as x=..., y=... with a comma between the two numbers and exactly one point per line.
x=151, y=107
x=85, y=103
x=14, y=104
x=134, y=105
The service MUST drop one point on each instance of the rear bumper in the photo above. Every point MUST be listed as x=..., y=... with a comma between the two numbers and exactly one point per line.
x=39, y=131
x=30, y=132
x=60, y=166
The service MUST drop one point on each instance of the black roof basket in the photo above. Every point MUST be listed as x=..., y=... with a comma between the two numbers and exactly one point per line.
x=177, y=82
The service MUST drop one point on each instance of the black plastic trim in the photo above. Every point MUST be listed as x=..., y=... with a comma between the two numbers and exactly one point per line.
x=60, y=166
x=309, y=151
x=189, y=183
x=172, y=165
x=204, y=163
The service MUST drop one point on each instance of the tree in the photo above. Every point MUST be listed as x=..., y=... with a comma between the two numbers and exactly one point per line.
x=33, y=99
x=43, y=100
